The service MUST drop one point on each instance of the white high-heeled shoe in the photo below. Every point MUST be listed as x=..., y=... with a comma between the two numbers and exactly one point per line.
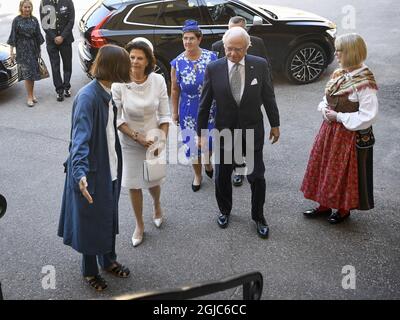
x=158, y=222
x=137, y=241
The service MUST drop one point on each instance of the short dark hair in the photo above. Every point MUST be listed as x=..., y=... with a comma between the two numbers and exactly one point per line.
x=237, y=20
x=141, y=45
x=112, y=64
x=198, y=33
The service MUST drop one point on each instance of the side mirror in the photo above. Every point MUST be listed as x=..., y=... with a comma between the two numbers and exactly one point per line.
x=3, y=206
x=257, y=21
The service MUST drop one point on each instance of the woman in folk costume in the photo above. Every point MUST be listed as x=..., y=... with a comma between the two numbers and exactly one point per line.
x=339, y=172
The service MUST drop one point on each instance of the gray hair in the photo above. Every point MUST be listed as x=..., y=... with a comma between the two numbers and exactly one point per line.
x=237, y=32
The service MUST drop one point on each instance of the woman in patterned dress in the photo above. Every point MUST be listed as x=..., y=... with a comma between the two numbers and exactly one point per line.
x=339, y=172
x=26, y=38
x=187, y=75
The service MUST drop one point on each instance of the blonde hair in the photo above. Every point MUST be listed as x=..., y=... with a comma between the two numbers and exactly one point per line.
x=353, y=48
x=21, y=4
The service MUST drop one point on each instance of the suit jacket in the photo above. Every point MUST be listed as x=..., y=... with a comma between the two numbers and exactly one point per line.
x=258, y=90
x=58, y=18
x=257, y=48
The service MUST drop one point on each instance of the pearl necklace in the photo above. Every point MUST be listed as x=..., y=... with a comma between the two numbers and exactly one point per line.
x=139, y=81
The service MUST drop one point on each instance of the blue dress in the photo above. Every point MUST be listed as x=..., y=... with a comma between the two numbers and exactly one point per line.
x=26, y=37
x=190, y=77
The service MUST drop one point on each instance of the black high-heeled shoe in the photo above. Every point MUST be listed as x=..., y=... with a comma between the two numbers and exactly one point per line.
x=196, y=188
x=210, y=173
x=336, y=217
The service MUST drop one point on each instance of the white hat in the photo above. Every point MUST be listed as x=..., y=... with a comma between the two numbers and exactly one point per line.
x=142, y=39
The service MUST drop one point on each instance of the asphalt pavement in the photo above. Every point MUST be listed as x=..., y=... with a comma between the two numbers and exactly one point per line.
x=302, y=259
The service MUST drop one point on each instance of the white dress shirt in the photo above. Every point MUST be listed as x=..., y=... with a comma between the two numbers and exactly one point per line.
x=110, y=131
x=241, y=70
x=367, y=112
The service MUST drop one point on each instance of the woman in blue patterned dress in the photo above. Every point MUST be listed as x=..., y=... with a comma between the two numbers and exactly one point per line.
x=187, y=75
x=26, y=38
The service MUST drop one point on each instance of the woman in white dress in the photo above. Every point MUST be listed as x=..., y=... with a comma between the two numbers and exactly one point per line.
x=142, y=107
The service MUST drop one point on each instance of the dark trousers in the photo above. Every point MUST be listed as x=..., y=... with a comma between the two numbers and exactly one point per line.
x=89, y=262
x=65, y=51
x=238, y=165
x=223, y=186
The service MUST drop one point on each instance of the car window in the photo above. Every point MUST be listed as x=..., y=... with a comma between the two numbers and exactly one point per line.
x=146, y=14
x=95, y=15
x=176, y=12
x=221, y=11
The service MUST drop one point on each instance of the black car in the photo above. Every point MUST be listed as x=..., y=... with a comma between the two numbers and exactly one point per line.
x=8, y=68
x=299, y=43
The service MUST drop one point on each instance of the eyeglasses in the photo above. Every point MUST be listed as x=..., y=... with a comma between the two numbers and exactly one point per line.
x=191, y=39
x=237, y=50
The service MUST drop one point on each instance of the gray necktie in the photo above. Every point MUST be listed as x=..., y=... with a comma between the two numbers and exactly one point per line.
x=236, y=83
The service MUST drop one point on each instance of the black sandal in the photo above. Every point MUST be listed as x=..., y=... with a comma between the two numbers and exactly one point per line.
x=97, y=282
x=119, y=270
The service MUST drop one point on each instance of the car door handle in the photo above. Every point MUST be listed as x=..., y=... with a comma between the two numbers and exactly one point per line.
x=169, y=37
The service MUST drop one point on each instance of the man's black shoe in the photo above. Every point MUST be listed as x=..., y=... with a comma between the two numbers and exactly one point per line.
x=262, y=229
x=60, y=96
x=237, y=180
x=67, y=93
x=223, y=220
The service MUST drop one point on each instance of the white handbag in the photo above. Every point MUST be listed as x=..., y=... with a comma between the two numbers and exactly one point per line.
x=154, y=169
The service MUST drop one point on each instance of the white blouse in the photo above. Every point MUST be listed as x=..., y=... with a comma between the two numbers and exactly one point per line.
x=143, y=107
x=110, y=131
x=368, y=109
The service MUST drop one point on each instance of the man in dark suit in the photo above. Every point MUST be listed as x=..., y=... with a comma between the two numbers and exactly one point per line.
x=58, y=17
x=240, y=84
x=257, y=48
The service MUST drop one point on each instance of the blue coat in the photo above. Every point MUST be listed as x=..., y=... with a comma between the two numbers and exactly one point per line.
x=90, y=229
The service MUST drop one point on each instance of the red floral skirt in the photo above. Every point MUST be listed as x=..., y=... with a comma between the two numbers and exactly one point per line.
x=331, y=178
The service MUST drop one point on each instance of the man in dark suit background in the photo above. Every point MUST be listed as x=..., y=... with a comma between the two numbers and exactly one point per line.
x=58, y=17
x=240, y=84
x=257, y=48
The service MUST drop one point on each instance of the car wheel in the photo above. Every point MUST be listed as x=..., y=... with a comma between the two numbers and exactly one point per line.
x=160, y=68
x=306, y=63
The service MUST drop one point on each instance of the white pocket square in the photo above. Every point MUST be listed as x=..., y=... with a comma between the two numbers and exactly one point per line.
x=254, y=82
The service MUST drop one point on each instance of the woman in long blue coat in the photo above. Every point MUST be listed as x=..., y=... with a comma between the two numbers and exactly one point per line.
x=89, y=213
